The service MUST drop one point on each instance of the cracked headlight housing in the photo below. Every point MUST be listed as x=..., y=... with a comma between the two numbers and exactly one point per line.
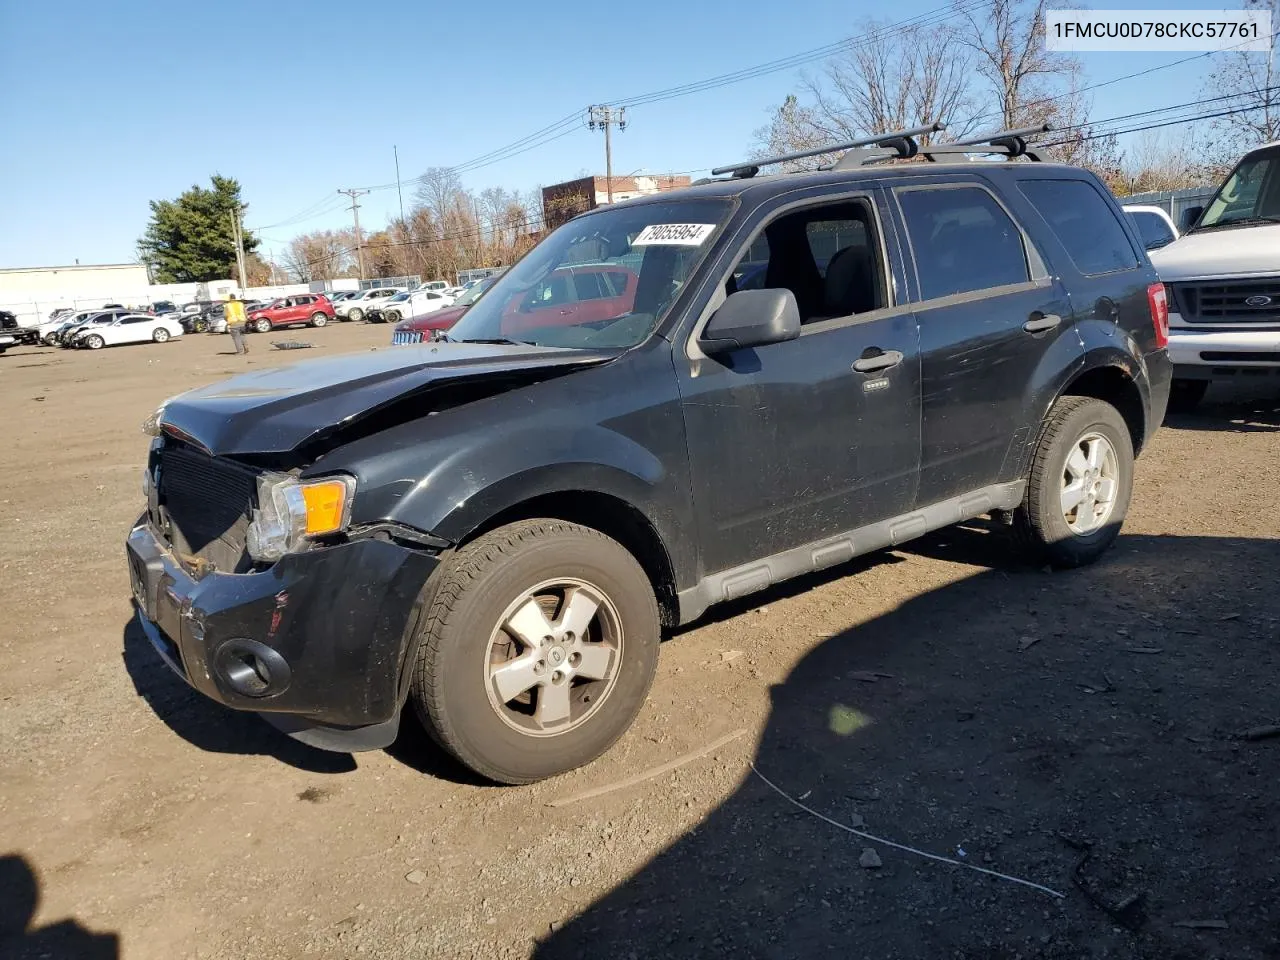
x=292, y=512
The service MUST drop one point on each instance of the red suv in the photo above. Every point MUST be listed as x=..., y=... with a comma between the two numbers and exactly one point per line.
x=305, y=308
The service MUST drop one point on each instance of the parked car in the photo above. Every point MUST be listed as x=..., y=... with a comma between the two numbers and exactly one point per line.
x=1223, y=275
x=437, y=285
x=492, y=532
x=408, y=306
x=163, y=307
x=67, y=332
x=12, y=327
x=431, y=324
x=306, y=309
x=7, y=341
x=356, y=307
x=1155, y=227
x=129, y=328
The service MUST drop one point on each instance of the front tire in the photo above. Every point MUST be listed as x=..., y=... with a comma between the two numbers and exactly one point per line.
x=537, y=651
x=1185, y=395
x=1079, y=485
x=160, y=335
x=94, y=342
x=262, y=325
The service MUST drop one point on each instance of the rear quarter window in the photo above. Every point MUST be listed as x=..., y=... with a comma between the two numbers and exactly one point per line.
x=1084, y=223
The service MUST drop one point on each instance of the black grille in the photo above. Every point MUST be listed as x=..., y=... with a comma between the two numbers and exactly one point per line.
x=208, y=504
x=1228, y=303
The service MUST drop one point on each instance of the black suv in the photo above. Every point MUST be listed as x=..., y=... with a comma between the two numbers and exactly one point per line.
x=496, y=526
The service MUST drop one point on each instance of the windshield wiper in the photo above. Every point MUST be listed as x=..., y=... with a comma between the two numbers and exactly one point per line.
x=1237, y=221
x=499, y=340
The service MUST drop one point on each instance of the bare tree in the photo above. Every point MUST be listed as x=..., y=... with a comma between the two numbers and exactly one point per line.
x=1029, y=84
x=891, y=81
x=321, y=255
x=1252, y=80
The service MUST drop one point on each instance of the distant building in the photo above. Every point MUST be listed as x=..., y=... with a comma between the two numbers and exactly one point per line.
x=74, y=282
x=563, y=201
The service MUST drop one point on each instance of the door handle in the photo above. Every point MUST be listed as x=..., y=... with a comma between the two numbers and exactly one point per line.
x=1040, y=322
x=880, y=360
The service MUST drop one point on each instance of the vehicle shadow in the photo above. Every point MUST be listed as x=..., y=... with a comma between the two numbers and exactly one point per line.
x=21, y=940
x=208, y=725
x=1079, y=730
x=1248, y=407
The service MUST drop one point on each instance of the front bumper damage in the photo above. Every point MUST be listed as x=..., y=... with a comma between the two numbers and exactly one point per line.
x=317, y=644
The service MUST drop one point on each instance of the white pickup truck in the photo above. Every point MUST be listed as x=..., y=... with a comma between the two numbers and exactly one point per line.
x=1223, y=277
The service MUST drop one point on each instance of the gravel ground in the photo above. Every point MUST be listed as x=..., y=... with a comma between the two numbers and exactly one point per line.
x=1081, y=731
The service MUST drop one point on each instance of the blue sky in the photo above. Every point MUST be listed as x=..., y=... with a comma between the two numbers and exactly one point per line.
x=106, y=106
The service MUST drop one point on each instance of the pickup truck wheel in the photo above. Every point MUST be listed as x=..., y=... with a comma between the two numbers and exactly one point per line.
x=1185, y=395
x=538, y=650
x=355, y=313
x=1079, y=486
x=318, y=319
x=262, y=325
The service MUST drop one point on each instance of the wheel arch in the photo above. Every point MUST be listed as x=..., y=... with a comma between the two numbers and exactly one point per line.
x=1114, y=384
x=614, y=516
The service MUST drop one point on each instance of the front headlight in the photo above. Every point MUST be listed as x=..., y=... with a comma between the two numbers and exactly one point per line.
x=152, y=425
x=291, y=511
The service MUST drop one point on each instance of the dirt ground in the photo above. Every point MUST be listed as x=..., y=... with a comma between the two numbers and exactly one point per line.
x=1082, y=731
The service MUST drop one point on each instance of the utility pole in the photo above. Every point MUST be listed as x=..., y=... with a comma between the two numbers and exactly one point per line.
x=355, y=212
x=395, y=151
x=605, y=117
x=237, y=235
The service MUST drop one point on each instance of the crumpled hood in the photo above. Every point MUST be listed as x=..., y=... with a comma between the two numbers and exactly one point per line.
x=276, y=410
x=1227, y=252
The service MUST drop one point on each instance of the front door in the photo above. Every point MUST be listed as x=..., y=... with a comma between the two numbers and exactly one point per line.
x=988, y=314
x=798, y=441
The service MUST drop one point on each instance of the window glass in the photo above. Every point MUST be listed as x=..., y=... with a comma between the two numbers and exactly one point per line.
x=1084, y=222
x=829, y=237
x=826, y=256
x=590, y=286
x=656, y=244
x=963, y=241
x=1152, y=229
x=1251, y=192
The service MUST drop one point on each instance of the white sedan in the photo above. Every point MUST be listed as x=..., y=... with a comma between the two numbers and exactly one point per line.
x=130, y=328
x=354, y=308
x=411, y=306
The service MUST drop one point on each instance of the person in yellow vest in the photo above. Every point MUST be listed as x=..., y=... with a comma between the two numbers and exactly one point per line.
x=234, y=312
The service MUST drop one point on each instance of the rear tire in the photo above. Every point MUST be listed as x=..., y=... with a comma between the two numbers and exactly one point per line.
x=262, y=325
x=355, y=313
x=318, y=319
x=1185, y=395
x=1079, y=484
x=576, y=609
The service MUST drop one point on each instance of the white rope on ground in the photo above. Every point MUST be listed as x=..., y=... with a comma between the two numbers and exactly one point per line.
x=898, y=846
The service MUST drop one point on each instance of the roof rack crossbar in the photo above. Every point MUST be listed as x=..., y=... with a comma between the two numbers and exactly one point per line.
x=749, y=168
x=1018, y=133
x=1009, y=143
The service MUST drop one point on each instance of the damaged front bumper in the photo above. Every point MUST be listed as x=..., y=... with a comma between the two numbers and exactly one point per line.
x=317, y=643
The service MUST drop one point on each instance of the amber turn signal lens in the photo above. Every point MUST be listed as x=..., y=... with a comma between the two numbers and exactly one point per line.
x=326, y=506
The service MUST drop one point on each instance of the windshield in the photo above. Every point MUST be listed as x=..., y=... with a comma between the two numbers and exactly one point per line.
x=1251, y=193
x=398, y=297
x=602, y=280
x=471, y=294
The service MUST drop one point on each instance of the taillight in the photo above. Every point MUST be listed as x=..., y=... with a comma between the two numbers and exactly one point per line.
x=1158, y=301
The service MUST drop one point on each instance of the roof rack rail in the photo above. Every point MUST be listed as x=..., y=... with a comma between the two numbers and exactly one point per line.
x=901, y=142
x=1009, y=143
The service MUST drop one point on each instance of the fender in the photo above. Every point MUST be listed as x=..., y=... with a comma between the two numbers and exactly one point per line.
x=615, y=429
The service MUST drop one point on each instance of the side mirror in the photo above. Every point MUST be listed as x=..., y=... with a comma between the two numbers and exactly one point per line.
x=751, y=318
x=1189, y=217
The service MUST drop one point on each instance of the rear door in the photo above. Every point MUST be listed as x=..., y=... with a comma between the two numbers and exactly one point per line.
x=132, y=329
x=988, y=312
x=1097, y=258
x=795, y=442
